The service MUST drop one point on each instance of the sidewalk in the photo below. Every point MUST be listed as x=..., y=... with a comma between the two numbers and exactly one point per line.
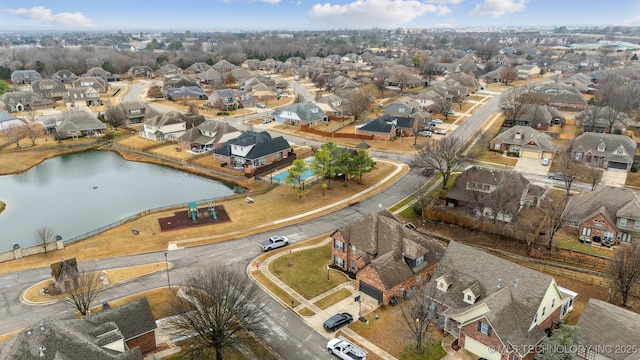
x=316, y=321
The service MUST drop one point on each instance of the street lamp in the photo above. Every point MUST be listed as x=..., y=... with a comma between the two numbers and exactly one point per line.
x=166, y=263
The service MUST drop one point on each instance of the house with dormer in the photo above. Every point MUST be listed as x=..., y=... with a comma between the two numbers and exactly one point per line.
x=49, y=89
x=102, y=74
x=208, y=136
x=493, y=194
x=386, y=258
x=95, y=82
x=228, y=99
x=125, y=332
x=169, y=126
x=17, y=101
x=494, y=308
x=64, y=76
x=141, y=71
x=136, y=111
x=524, y=141
x=608, y=214
x=304, y=113
x=252, y=150
x=608, y=151
x=20, y=77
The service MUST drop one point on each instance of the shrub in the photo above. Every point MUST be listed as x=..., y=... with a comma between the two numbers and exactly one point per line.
x=634, y=167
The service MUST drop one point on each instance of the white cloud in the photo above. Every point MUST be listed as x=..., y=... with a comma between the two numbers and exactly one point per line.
x=634, y=21
x=44, y=15
x=373, y=13
x=272, y=2
x=497, y=8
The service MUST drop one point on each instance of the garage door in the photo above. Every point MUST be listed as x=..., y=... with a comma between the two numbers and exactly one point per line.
x=481, y=350
x=530, y=154
x=371, y=291
x=617, y=165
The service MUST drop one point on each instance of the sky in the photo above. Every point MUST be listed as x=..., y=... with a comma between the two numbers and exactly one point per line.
x=235, y=15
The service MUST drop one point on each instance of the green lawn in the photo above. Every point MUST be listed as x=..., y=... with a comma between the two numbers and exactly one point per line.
x=306, y=271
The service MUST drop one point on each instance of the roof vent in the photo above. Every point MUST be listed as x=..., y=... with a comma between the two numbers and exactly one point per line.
x=41, y=350
x=516, y=284
x=499, y=283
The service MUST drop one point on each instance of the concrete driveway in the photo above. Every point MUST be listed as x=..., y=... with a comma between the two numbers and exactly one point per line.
x=613, y=177
x=531, y=166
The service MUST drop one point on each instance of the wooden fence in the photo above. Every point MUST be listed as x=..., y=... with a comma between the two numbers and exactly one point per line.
x=307, y=129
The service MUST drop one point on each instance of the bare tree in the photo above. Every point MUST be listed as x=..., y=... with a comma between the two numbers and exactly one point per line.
x=34, y=130
x=570, y=168
x=220, y=308
x=43, y=236
x=420, y=315
x=443, y=157
x=594, y=175
x=553, y=209
x=86, y=289
x=624, y=270
x=14, y=134
x=446, y=106
x=514, y=102
x=154, y=92
x=508, y=74
x=115, y=116
x=359, y=101
x=193, y=109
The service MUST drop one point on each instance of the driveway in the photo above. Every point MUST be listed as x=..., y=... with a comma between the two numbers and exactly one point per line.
x=531, y=166
x=613, y=177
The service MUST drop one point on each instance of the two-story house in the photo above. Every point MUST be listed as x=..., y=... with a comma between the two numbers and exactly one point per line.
x=94, y=82
x=387, y=259
x=169, y=126
x=82, y=96
x=222, y=99
x=539, y=117
x=17, y=101
x=524, y=141
x=141, y=71
x=493, y=193
x=609, y=151
x=252, y=150
x=78, y=123
x=304, y=113
x=136, y=111
x=608, y=214
x=49, y=89
x=208, y=136
x=64, y=76
x=496, y=309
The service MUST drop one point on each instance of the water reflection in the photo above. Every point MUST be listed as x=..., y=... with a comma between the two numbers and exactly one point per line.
x=77, y=193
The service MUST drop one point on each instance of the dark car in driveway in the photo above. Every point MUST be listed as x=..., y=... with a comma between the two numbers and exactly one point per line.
x=337, y=321
x=559, y=176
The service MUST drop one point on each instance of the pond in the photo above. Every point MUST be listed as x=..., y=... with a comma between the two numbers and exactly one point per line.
x=77, y=193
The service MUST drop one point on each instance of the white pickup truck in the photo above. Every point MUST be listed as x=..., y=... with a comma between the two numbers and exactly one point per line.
x=345, y=350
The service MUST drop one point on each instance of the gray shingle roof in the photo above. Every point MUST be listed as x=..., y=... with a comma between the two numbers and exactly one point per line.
x=133, y=319
x=607, y=200
x=78, y=120
x=511, y=292
x=589, y=142
x=605, y=324
x=306, y=111
x=264, y=144
x=529, y=137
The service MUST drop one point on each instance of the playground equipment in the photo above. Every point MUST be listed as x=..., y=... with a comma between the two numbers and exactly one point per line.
x=213, y=211
x=193, y=211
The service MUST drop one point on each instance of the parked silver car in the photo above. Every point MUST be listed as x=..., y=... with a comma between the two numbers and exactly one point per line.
x=274, y=242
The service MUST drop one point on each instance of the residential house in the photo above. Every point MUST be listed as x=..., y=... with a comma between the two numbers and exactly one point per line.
x=407, y=107
x=563, y=96
x=610, y=332
x=18, y=101
x=77, y=123
x=602, y=120
x=125, y=332
x=222, y=99
x=102, y=74
x=211, y=77
x=208, y=136
x=136, y=111
x=609, y=214
x=304, y=113
x=336, y=105
x=539, y=117
x=8, y=121
x=94, y=82
x=169, y=126
x=381, y=128
x=493, y=193
x=388, y=259
x=64, y=76
x=524, y=141
x=185, y=93
x=21, y=77
x=169, y=69
x=49, y=89
x=223, y=66
x=609, y=151
x=252, y=150
x=82, y=97
x=528, y=71
x=198, y=67
x=496, y=309
x=141, y=71
x=179, y=81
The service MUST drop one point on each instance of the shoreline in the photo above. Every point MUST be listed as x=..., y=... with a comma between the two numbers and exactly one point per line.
x=3, y=206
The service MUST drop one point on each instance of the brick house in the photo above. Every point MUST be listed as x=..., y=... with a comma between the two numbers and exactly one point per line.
x=252, y=150
x=608, y=214
x=525, y=141
x=300, y=114
x=169, y=126
x=387, y=259
x=609, y=151
x=613, y=332
x=125, y=332
x=495, y=309
x=383, y=128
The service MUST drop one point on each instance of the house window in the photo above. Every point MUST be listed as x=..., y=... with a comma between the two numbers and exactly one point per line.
x=400, y=110
x=586, y=231
x=608, y=236
x=515, y=357
x=623, y=222
x=535, y=319
x=353, y=249
x=623, y=237
x=497, y=146
x=620, y=152
x=578, y=156
x=574, y=224
x=353, y=266
x=636, y=224
x=544, y=310
x=484, y=328
x=469, y=297
x=601, y=148
x=553, y=303
x=419, y=260
x=337, y=244
x=338, y=261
